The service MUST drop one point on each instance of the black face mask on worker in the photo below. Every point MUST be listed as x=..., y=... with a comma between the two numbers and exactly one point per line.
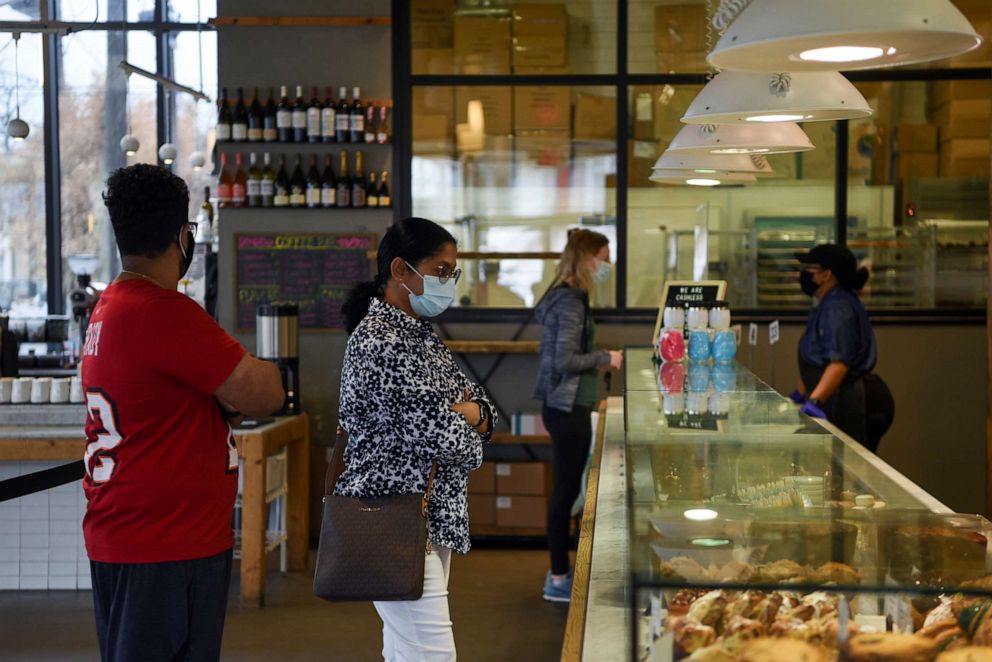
x=806, y=282
x=187, y=253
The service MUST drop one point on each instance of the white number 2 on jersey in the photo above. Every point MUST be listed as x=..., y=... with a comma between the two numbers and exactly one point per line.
x=99, y=462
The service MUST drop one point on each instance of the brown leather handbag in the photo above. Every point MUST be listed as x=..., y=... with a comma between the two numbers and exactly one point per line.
x=371, y=549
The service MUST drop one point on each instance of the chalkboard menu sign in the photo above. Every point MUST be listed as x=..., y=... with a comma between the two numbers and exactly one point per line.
x=314, y=271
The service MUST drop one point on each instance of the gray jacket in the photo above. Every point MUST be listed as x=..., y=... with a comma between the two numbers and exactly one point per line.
x=562, y=359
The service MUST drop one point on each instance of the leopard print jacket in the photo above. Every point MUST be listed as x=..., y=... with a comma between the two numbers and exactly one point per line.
x=397, y=387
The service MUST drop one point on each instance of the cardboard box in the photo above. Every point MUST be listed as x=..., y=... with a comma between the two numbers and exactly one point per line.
x=483, y=479
x=643, y=107
x=542, y=71
x=966, y=128
x=481, y=510
x=433, y=61
x=521, y=511
x=542, y=108
x=917, y=164
x=641, y=157
x=433, y=114
x=540, y=19
x=685, y=62
x=497, y=107
x=482, y=44
x=679, y=28
x=522, y=478
x=820, y=162
x=916, y=138
x=536, y=50
x=945, y=91
x=529, y=424
x=967, y=148
x=546, y=148
x=595, y=117
x=431, y=23
x=957, y=167
x=963, y=118
x=670, y=104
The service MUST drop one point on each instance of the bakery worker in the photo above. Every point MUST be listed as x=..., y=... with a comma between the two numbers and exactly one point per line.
x=837, y=353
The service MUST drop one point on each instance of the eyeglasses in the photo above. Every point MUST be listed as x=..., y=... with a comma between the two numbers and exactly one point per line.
x=193, y=227
x=443, y=275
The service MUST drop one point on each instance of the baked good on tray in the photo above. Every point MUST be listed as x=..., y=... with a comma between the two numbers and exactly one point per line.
x=890, y=647
x=966, y=654
x=783, y=650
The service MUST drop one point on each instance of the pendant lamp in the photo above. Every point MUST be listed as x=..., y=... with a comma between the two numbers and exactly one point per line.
x=750, y=138
x=17, y=128
x=167, y=152
x=708, y=164
x=744, y=96
x=832, y=35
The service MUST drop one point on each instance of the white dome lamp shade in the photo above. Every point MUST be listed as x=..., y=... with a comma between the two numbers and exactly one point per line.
x=750, y=138
x=687, y=177
x=197, y=160
x=833, y=35
x=18, y=129
x=744, y=96
x=708, y=164
x=130, y=144
x=167, y=152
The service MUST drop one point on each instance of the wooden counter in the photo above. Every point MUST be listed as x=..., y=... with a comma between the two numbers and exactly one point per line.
x=66, y=443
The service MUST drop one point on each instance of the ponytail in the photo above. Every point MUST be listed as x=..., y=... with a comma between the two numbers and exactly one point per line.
x=357, y=303
x=857, y=281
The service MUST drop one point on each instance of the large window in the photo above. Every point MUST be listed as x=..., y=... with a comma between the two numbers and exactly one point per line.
x=97, y=104
x=511, y=166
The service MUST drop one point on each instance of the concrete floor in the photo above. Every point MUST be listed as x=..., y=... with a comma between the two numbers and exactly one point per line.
x=495, y=601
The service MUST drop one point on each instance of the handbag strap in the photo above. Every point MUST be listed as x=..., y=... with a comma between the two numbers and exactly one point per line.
x=336, y=466
x=430, y=488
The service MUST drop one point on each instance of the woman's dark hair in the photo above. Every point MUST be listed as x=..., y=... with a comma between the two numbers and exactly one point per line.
x=147, y=204
x=412, y=240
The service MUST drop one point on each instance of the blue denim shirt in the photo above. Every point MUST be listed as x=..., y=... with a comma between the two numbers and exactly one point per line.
x=839, y=330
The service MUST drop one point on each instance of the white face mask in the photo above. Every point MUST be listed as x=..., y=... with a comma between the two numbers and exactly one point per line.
x=602, y=272
x=437, y=297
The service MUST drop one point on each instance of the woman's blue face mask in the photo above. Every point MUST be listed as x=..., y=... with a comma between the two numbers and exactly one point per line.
x=437, y=296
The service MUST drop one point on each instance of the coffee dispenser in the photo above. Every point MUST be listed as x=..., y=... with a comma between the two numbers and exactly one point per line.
x=277, y=339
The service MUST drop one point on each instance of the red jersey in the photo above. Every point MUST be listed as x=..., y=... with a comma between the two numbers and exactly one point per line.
x=161, y=465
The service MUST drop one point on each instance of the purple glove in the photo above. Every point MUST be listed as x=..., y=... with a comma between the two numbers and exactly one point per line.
x=813, y=410
x=797, y=397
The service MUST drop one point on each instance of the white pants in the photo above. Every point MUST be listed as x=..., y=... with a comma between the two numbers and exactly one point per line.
x=420, y=630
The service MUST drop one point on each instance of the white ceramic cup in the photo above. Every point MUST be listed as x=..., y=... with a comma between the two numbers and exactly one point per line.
x=719, y=404
x=20, y=392
x=76, y=389
x=60, y=391
x=699, y=318
x=674, y=317
x=720, y=319
x=674, y=404
x=697, y=403
x=41, y=390
x=6, y=387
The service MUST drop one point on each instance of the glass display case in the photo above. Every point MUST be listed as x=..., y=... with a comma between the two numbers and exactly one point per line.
x=756, y=533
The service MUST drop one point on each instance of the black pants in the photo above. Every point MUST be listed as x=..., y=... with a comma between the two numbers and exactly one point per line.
x=168, y=612
x=571, y=435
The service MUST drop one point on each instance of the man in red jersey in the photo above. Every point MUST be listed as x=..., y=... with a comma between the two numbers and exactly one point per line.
x=161, y=380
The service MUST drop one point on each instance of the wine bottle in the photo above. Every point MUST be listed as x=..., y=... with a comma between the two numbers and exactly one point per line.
x=281, y=195
x=206, y=216
x=270, y=131
x=239, y=126
x=225, y=182
x=224, y=118
x=371, y=120
x=284, y=118
x=298, y=186
x=328, y=183
x=382, y=133
x=372, y=192
x=343, y=197
x=254, y=185
x=239, y=190
x=313, y=184
x=356, y=122
x=267, y=186
x=341, y=120
x=327, y=114
x=358, y=182
x=299, y=117
x=384, y=199
x=313, y=117
x=255, y=118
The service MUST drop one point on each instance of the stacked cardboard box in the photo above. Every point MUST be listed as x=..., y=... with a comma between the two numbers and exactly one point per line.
x=680, y=38
x=482, y=496
x=433, y=119
x=432, y=36
x=916, y=150
x=521, y=494
x=482, y=44
x=497, y=107
x=595, y=117
x=962, y=111
x=540, y=38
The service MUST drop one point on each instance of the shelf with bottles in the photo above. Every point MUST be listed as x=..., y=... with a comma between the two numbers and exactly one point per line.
x=317, y=122
x=265, y=187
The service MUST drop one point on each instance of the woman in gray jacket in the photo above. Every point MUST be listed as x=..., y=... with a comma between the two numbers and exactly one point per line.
x=567, y=383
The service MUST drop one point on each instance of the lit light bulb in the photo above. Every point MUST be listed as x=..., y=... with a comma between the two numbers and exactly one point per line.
x=740, y=150
x=777, y=118
x=700, y=181
x=842, y=54
x=700, y=514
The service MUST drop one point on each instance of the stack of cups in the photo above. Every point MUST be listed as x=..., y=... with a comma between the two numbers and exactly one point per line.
x=724, y=341
x=699, y=335
x=671, y=342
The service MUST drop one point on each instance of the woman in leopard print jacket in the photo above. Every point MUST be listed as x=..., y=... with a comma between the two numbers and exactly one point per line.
x=406, y=404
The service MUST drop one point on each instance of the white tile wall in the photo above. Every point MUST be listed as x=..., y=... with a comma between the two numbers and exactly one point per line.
x=41, y=536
